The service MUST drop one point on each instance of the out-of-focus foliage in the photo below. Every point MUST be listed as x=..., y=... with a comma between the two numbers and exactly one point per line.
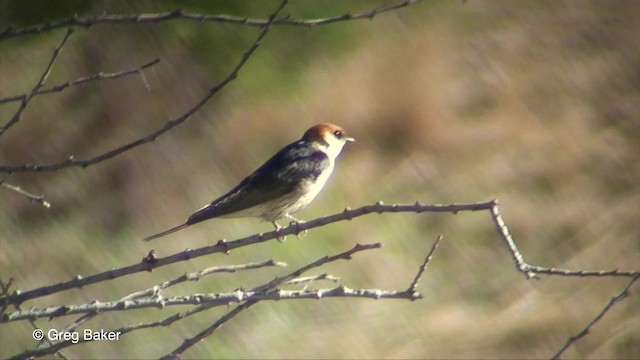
x=534, y=103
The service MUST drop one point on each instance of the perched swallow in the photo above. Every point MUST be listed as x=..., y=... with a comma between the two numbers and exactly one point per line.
x=284, y=184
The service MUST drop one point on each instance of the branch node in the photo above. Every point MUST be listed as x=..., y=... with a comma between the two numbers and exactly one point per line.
x=223, y=244
x=151, y=258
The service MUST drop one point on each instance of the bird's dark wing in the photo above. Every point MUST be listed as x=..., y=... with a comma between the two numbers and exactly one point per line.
x=296, y=163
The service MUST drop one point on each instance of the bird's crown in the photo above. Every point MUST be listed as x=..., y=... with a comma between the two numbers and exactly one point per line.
x=326, y=133
x=329, y=138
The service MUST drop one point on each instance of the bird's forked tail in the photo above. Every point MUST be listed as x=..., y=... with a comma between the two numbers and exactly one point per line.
x=167, y=232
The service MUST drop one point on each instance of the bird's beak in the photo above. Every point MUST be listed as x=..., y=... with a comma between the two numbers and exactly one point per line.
x=350, y=139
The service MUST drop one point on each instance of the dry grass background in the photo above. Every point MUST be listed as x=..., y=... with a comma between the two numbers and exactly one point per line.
x=534, y=103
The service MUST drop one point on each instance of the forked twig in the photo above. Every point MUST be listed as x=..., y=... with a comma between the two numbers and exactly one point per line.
x=155, y=290
x=25, y=101
x=271, y=286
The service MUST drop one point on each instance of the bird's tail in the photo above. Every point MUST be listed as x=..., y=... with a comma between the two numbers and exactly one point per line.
x=167, y=232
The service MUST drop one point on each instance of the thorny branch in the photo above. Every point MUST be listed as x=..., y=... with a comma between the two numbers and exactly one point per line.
x=155, y=291
x=223, y=246
x=213, y=299
x=155, y=18
x=270, y=288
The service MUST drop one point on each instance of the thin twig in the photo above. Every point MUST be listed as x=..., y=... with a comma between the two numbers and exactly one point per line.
x=154, y=18
x=197, y=275
x=35, y=198
x=67, y=84
x=154, y=291
x=616, y=299
x=311, y=279
x=413, y=287
x=25, y=101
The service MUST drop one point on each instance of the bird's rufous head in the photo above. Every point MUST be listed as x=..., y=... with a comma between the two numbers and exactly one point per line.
x=330, y=136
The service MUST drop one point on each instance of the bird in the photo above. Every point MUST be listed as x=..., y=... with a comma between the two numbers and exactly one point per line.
x=283, y=185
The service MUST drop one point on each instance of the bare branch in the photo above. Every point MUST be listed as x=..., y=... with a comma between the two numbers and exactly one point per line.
x=223, y=246
x=269, y=288
x=35, y=198
x=25, y=101
x=154, y=291
x=327, y=259
x=71, y=161
x=311, y=279
x=67, y=84
x=188, y=343
x=616, y=299
x=183, y=315
x=541, y=270
x=217, y=299
x=503, y=231
x=155, y=18
x=532, y=271
x=196, y=276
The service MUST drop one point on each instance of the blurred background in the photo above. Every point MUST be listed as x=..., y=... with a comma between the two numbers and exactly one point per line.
x=535, y=103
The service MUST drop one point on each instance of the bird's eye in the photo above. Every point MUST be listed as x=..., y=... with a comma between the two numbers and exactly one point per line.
x=338, y=134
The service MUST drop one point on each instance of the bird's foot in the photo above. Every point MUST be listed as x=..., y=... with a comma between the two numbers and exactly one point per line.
x=296, y=222
x=278, y=228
